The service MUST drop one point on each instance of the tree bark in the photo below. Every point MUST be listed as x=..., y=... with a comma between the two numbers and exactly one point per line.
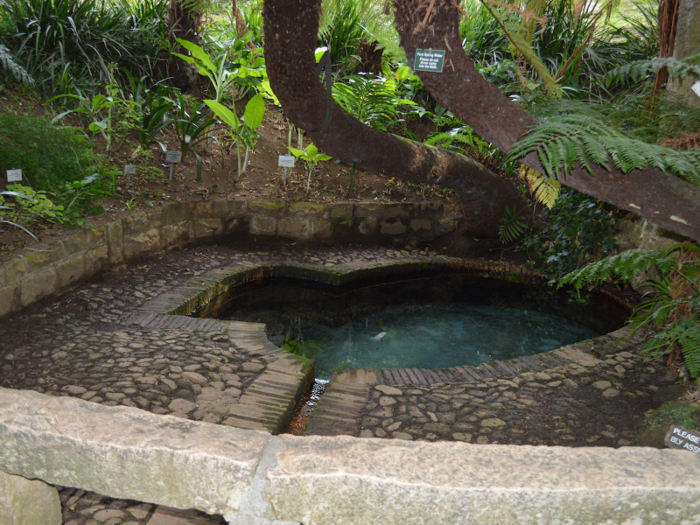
x=661, y=198
x=291, y=27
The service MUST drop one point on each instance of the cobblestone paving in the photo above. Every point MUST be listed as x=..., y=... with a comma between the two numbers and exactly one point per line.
x=79, y=345
x=602, y=404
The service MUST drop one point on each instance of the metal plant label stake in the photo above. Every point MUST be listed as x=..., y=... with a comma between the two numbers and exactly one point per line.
x=129, y=170
x=14, y=175
x=696, y=88
x=286, y=161
x=431, y=60
x=173, y=157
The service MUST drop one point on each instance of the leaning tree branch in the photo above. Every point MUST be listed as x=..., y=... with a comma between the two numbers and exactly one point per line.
x=659, y=197
x=291, y=28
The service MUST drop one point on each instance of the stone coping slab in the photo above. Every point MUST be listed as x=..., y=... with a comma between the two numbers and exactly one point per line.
x=256, y=478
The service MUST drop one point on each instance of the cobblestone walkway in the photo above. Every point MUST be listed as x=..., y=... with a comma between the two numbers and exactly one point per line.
x=84, y=344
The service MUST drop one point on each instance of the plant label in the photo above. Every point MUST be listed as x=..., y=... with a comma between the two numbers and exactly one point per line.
x=286, y=161
x=173, y=156
x=679, y=437
x=14, y=175
x=696, y=87
x=130, y=169
x=429, y=60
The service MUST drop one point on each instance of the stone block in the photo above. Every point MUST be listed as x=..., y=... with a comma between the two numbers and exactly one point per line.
x=307, y=209
x=203, y=209
x=342, y=210
x=38, y=285
x=446, y=225
x=141, y=222
x=266, y=207
x=9, y=299
x=452, y=211
x=342, y=228
x=177, y=233
x=367, y=226
x=115, y=243
x=321, y=230
x=262, y=225
x=230, y=209
x=176, y=212
x=290, y=227
x=15, y=268
x=392, y=228
x=96, y=260
x=208, y=228
x=28, y=502
x=344, y=480
x=421, y=226
x=236, y=225
x=369, y=209
x=78, y=242
x=43, y=257
x=141, y=244
x=130, y=453
x=70, y=270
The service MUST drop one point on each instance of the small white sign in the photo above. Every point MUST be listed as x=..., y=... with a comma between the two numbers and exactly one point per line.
x=286, y=161
x=696, y=87
x=173, y=156
x=14, y=175
x=130, y=169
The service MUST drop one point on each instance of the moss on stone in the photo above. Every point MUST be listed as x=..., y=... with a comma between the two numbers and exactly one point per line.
x=683, y=415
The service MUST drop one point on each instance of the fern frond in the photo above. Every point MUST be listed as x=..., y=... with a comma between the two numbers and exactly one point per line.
x=638, y=69
x=545, y=190
x=511, y=225
x=564, y=140
x=685, y=332
x=18, y=72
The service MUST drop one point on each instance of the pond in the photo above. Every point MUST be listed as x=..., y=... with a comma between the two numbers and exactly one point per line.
x=417, y=321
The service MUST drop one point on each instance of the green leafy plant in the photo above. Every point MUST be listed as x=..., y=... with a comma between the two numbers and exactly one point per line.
x=8, y=64
x=312, y=157
x=577, y=229
x=48, y=155
x=6, y=210
x=673, y=307
x=511, y=225
x=151, y=107
x=242, y=131
x=191, y=125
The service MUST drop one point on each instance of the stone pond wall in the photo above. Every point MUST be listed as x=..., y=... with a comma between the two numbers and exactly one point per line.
x=50, y=269
x=255, y=478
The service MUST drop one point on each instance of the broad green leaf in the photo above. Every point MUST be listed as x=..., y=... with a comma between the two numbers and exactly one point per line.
x=319, y=53
x=267, y=89
x=187, y=59
x=254, y=112
x=322, y=157
x=311, y=151
x=197, y=52
x=297, y=152
x=227, y=116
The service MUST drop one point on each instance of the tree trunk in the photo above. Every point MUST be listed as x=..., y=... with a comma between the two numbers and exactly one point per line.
x=291, y=27
x=184, y=23
x=661, y=198
x=687, y=43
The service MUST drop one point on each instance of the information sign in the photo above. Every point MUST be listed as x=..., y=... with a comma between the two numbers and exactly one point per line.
x=286, y=161
x=173, y=156
x=14, y=175
x=679, y=437
x=429, y=60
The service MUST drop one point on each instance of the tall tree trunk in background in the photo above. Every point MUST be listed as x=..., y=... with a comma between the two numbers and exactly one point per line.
x=291, y=28
x=184, y=19
x=687, y=43
x=241, y=26
x=668, y=17
x=662, y=198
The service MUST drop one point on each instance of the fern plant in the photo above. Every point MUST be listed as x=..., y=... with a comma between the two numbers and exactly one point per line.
x=673, y=308
x=638, y=69
x=563, y=141
x=8, y=63
x=511, y=225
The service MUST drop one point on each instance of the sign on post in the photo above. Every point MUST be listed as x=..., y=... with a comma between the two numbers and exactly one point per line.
x=679, y=437
x=172, y=157
x=14, y=175
x=286, y=161
x=429, y=60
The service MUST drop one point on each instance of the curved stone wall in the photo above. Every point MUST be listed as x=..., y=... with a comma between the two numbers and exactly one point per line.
x=51, y=269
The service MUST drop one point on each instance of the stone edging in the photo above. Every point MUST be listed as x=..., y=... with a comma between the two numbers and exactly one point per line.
x=50, y=269
x=254, y=478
